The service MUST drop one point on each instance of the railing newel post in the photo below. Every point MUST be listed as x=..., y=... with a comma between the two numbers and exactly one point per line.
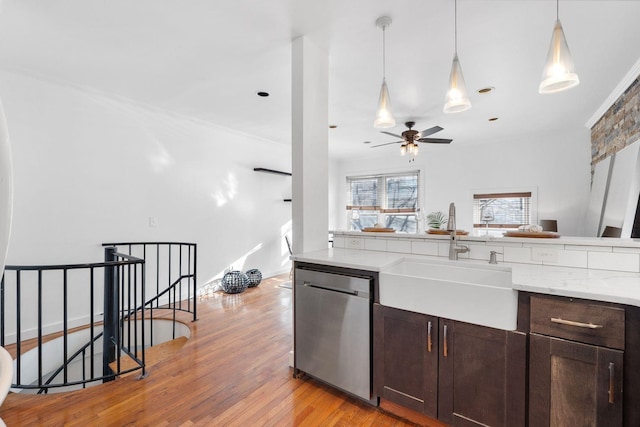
x=111, y=314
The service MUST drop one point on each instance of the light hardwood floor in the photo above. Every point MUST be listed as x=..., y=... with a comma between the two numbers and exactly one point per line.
x=233, y=371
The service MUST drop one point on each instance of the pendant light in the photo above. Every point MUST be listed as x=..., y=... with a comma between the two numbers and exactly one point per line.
x=559, y=72
x=457, y=99
x=384, y=117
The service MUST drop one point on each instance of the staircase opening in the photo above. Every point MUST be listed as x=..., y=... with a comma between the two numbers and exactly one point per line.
x=167, y=339
x=77, y=325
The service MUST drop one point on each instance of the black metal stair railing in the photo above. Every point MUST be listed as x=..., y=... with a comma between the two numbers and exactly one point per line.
x=170, y=269
x=44, y=302
x=57, y=312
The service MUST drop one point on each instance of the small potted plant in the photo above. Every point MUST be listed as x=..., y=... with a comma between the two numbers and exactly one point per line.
x=436, y=220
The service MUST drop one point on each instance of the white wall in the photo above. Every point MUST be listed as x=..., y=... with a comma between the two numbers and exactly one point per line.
x=558, y=166
x=90, y=169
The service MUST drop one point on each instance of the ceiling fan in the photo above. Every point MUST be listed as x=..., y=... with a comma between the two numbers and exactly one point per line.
x=410, y=138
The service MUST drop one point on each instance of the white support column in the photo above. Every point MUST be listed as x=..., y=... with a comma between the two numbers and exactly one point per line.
x=309, y=148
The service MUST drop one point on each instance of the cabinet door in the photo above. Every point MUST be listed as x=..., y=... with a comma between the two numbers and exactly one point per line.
x=482, y=376
x=406, y=358
x=574, y=384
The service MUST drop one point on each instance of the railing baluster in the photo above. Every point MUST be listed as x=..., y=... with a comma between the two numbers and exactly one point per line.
x=2, y=310
x=92, y=332
x=142, y=272
x=65, y=324
x=180, y=274
x=18, y=329
x=40, y=373
x=194, y=273
x=132, y=309
x=128, y=306
x=84, y=368
x=157, y=272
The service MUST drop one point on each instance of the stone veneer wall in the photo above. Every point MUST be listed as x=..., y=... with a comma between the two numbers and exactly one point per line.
x=618, y=127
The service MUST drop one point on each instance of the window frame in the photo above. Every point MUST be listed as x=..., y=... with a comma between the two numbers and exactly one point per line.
x=384, y=213
x=530, y=193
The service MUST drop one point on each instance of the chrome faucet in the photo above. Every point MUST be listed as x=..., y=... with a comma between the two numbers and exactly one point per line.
x=454, y=248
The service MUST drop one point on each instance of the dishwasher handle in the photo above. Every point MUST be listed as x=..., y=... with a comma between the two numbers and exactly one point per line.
x=331, y=288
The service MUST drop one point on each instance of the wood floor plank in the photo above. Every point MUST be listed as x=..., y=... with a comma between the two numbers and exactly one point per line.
x=233, y=371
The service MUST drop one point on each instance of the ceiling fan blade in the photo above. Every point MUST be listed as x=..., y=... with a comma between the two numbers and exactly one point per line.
x=388, y=143
x=392, y=134
x=436, y=140
x=430, y=131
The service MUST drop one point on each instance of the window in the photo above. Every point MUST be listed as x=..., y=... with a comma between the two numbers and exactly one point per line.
x=391, y=200
x=501, y=210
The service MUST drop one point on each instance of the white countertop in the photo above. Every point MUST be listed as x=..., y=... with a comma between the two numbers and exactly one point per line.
x=599, y=285
x=562, y=240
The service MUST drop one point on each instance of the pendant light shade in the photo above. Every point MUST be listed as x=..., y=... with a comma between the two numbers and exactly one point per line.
x=559, y=72
x=384, y=118
x=457, y=99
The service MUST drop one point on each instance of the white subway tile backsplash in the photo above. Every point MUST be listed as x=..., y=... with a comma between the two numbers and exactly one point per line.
x=626, y=250
x=424, y=248
x=483, y=252
x=614, y=261
x=542, y=245
x=354, y=243
x=398, y=245
x=588, y=248
x=443, y=249
x=375, y=245
x=505, y=244
x=569, y=259
x=612, y=258
x=523, y=255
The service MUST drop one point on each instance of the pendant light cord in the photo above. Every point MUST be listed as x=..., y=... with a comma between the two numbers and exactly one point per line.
x=384, y=53
x=557, y=10
x=455, y=25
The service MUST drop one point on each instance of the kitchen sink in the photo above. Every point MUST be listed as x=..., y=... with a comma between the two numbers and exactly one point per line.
x=472, y=293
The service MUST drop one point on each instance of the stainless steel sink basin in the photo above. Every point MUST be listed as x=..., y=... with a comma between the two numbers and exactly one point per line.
x=473, y=293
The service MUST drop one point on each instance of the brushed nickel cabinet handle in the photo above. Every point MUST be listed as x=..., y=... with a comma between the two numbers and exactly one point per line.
x=444, y=347
x=578, y=324
x=611, y=381
x=429, y=337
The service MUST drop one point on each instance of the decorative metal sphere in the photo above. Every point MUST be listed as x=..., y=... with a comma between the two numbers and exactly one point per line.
x=255, y=277
x=234, y=282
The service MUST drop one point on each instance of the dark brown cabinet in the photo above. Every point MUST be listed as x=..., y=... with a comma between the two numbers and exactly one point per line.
x=405, y=358
x=576, y=363
x=462, y=374
x=574, y=384
x=482, y=375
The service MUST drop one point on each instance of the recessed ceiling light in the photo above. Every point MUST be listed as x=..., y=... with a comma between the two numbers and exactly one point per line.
x=263, y=94
x=333, y=126
x=493, y=119
x=367, y=142
x=487, y=89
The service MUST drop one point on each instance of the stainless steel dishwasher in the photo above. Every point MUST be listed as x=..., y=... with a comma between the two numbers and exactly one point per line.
x=333, y=329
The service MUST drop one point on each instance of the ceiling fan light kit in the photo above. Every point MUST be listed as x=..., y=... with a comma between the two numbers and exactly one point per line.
x=410, y=139
x=384, y=117
x=559, y=72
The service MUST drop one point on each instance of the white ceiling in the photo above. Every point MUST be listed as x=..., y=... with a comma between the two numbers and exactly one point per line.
x=207, y=59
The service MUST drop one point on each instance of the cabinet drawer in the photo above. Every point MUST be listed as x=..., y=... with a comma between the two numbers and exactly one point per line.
x=583, y=321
